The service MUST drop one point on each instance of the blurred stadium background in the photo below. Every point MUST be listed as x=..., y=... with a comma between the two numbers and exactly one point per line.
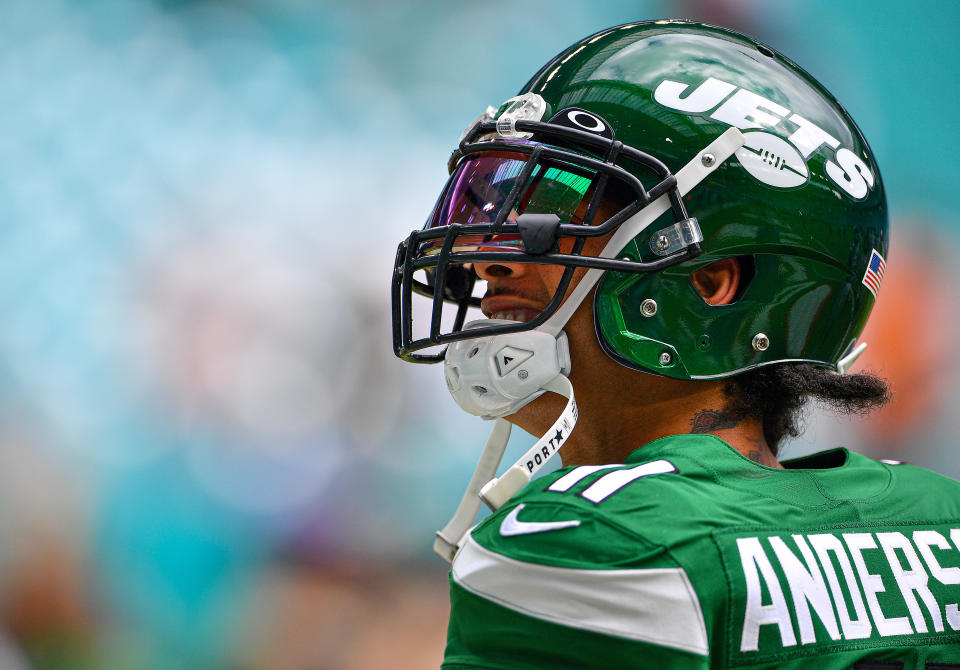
x=209, y=457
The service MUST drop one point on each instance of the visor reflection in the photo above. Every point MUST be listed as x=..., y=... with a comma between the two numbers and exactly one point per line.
x=481, y=184
x=475, y=243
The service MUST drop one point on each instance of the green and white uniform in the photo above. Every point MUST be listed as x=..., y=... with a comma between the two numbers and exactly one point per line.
x=691, y=556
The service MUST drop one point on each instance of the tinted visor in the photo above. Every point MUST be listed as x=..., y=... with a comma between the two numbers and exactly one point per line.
x=482, y=184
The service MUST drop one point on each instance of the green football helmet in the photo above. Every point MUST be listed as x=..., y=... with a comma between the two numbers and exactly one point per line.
x=616, y=118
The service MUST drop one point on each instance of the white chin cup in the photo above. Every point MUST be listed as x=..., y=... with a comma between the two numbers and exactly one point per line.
x=494, y=376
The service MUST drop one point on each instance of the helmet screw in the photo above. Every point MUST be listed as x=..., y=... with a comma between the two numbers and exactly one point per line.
x=761, y=342
x=663, y=243
x=523, y=374
x=708, y=160
x=665, y=358
x=648, y=307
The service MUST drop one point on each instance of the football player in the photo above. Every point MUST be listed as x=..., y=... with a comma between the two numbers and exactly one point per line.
x=675, y=236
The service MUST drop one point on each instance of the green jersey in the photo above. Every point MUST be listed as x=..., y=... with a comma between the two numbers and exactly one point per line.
x=691, y=556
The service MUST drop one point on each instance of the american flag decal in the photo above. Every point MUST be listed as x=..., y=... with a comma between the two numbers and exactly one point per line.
x=874, y=274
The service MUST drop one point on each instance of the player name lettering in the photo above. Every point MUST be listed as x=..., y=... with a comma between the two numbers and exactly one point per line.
x=823, y=587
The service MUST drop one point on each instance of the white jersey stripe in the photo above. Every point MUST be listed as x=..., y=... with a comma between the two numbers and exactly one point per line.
x=609, y=484
x=575, y=476
x=657, y=605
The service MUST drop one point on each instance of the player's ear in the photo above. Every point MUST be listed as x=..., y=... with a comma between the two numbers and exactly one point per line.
x=718, y=282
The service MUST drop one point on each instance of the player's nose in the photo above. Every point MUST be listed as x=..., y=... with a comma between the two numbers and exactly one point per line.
x=494, y=271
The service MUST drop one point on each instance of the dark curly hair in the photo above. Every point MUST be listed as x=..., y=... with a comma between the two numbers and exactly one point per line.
x=777, y=395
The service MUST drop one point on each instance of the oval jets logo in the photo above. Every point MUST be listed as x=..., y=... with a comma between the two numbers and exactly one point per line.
x=772, y=160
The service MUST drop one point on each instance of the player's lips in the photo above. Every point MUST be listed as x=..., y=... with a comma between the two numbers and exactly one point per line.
x=509, y=308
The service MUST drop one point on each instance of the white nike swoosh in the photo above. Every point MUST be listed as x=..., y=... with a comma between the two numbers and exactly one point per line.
x=511, y=525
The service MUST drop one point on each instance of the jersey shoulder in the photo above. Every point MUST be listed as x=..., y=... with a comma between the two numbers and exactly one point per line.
x=594, y=515
x=611, y=515
x=879, y=489
x=932, y=486
x=557, y=562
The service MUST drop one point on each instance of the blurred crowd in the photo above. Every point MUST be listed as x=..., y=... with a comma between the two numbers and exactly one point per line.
x=209, y=457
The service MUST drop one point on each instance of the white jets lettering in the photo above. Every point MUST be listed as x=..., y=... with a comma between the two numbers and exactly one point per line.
x=809, y=137
x=852, y=174
x=705, y=97
x=747, y=110
x=921, y=569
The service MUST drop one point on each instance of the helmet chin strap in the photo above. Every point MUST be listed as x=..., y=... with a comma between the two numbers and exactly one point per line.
x=495, y=491
x=486, y=384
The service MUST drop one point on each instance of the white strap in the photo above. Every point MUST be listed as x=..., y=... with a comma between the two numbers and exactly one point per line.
x=500, y=490
x=844, y=363
x=689, y=176
x=463, y=519
x=496, y=491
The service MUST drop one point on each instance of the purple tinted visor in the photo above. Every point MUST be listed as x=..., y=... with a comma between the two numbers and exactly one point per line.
x=482, y=183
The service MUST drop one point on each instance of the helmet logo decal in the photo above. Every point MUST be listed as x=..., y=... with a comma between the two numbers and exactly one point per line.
x=852, y=174
x=581, y=119
x=772, y=160
x=768, y=157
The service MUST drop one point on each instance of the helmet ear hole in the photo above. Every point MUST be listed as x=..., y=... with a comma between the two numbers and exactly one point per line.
x=724, y=282
x=748, y=268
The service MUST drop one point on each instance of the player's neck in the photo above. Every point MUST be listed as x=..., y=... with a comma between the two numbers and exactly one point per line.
x=609, y=429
